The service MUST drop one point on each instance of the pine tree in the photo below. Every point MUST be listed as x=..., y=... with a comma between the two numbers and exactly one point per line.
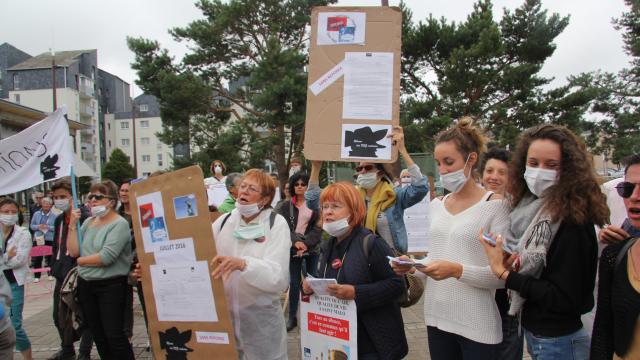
x=118, y=168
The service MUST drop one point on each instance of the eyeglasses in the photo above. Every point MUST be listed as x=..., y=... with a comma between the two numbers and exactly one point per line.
x=365, y=168
x=97, y=197
x=251, y=188
x=625, y=189
x=332, y=206
x=300, y=184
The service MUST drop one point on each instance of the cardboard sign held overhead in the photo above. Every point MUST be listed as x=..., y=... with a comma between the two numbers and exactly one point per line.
x=186, y=309
x=354, y=83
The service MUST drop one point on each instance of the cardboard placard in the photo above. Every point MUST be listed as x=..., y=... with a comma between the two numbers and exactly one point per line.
x=332, y=110
x=172, y=228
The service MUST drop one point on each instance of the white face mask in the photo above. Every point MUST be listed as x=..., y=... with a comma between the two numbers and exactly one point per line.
x=61, y=204
x=539, y=180
x=8, y=219
x=367, y=181
x=454, y=181
x=336, y=228
x=99, y=211
x=293, y=170
x=248, y=210
x=217, y=169
x=405, y=182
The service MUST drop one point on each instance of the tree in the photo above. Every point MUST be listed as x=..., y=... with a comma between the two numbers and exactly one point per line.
x=118, y=168
x=486, y=69
x=615, y=98
x=258, y=45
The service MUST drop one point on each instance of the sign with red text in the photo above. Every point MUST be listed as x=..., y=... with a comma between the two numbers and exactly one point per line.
x=328, y=328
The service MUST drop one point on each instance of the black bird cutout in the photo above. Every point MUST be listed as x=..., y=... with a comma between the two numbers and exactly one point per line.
x=48, y=167
x=364, y=142
x=175, y=343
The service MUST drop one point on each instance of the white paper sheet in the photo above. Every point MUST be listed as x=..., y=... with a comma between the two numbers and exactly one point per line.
x=149, y=207
x=366, y=141
x=416, y=220
x=175, y=251
x=341, y=28
x=216, y=194
x=327, y=79
x=183, y=292
x=319, y=286
x=368, y=86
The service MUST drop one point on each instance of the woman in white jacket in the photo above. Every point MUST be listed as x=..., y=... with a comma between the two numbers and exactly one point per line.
x=16, y=240
x=252, y=244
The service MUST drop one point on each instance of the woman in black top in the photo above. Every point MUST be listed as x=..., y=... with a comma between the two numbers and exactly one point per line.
x=557, y=201
x=616, y=330
x=363, y=275
x=305, y=235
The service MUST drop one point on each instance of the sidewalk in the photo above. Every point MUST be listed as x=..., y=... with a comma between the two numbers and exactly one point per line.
x=38, y=324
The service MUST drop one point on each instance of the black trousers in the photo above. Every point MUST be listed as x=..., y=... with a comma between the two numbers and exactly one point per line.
x=104, y=304
x=86, y=341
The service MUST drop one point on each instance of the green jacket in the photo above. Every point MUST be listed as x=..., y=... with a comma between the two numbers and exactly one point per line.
x=227, y=205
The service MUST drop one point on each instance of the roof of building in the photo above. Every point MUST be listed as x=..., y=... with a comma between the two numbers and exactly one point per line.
x=42, y=61
x=24, y=116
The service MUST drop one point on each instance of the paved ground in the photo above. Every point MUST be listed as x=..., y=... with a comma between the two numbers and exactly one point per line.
x=44, y=337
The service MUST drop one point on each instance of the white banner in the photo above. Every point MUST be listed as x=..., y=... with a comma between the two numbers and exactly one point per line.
x=328, y=328
x=37, y=154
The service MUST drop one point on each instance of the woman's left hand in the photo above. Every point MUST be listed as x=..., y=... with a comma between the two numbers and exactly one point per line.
x=225, y=265
x=342, y=291
x=442, y=269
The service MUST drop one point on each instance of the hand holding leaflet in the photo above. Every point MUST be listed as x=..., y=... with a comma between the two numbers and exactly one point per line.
x=404, y=262
x=320, y=286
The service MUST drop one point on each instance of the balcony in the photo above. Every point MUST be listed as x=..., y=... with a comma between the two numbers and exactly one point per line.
x=86, y=87
x=87, y=111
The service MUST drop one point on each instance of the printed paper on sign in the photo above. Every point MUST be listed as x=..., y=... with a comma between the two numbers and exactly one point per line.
x=341, y=28
x=175, y=251
x=151, y=208
x=208, y=337
x=327, y=79
x=328, y=328
x=366, y=142
x=368, y=86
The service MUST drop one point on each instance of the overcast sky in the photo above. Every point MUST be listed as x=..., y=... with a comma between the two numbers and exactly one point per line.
x=589, y=42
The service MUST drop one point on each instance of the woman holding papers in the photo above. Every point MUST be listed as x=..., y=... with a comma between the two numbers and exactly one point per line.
x=384, y=204
x=252, y=244
x=461, y=314
x=357, y=259
x=103, y=265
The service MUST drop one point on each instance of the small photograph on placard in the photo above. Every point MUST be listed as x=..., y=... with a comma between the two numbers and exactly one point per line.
x=158, y=230
x=146, y=214
x=366, y=142
x=185, y=206
x=346, y=28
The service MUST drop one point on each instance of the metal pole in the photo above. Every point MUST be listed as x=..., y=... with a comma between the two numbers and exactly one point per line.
x=53, y=78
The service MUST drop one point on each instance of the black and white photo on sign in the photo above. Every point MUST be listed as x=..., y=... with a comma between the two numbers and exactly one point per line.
x=366, y=141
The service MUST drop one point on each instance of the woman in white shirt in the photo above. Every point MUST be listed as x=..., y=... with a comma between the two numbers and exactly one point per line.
x=462, y=318
x=252, y=244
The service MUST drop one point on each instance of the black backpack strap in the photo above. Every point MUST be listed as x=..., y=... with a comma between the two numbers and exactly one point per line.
x=367, y=244
x=624, y=250
x=272, y=219
x=224, y=221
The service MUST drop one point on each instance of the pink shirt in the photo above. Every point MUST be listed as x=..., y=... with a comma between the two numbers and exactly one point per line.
x=304, y=215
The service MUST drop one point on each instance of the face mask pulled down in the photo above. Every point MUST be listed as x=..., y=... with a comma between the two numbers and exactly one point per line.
x=539, y=180
x=248, y=210
x=336, y=228
x=99, y=211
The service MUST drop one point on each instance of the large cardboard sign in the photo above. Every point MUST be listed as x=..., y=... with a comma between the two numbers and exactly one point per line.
x=187, y=310
x=328, y=328
x=353, y=99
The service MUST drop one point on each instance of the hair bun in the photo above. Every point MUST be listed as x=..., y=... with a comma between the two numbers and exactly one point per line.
x=465, y=123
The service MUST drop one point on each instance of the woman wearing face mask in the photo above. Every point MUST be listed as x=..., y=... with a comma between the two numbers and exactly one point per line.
x=367, y=279
x=42, y=224
x=385, y=205
x=556, y=201
x=104, y=259
x=460, y=311
x=16, y=244
x=217, y=174
x=252, y=244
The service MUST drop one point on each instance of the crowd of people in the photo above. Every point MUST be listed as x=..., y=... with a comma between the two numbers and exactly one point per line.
x=517, y=245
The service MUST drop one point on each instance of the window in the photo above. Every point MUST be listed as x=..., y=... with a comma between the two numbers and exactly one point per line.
x=109, y=143
x=144, y=123
x=144, y=107
x=144, y=141
x=146, y=173
x=159, y=159
x=124, y=125
x=16, y=81
x=16, y=98
x=125, y=142
x=146, y=158
x=108, y=126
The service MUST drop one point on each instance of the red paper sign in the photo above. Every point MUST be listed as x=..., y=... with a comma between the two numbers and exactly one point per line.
x=336, y=23
x=329, y=326
x=146, y=214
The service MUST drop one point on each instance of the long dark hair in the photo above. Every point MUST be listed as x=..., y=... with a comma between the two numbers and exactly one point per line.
x=576, y=197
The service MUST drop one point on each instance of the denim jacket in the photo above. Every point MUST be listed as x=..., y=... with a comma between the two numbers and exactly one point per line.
x=406, y=197
x=38, y=219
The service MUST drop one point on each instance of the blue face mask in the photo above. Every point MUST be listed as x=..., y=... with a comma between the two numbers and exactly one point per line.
x=250, y=232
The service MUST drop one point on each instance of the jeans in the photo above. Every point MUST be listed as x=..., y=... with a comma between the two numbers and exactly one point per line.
x=22, y=341
x=296, y=267
x=86, y=341
x=568, y=347
x=449, y=346
x=104, y=305
x=512, y=344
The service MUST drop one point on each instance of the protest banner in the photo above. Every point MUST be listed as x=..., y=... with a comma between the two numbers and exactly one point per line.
x=186, y=309
x=328, y=328
x=37, y=154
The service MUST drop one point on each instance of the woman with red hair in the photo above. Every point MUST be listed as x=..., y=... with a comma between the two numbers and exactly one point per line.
x=357, y=259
